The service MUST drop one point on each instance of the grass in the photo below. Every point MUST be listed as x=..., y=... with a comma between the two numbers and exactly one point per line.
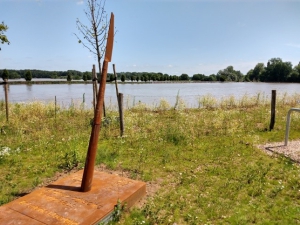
x=205, y=160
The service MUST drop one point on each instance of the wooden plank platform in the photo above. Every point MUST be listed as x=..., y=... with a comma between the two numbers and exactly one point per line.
x=62, y=203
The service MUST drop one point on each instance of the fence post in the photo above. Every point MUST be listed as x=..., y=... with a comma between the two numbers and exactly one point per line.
x=120, y=103
x=6, y=97
x=273, y=109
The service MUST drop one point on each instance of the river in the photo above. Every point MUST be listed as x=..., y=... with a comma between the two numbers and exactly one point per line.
x=149, y=93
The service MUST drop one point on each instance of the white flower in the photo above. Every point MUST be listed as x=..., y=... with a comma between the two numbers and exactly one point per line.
x=5, y=151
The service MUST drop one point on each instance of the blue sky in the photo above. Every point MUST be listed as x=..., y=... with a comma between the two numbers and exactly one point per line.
x=168, y=36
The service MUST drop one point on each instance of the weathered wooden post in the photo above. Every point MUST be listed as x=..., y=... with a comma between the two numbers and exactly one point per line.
x=273, y=109
x=88, y=172
x=120, y=102
x=6, y=97
x=116, y=82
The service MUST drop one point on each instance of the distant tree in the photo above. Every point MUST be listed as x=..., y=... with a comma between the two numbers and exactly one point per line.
x=212, y=77
x=229, y=74
x=88, y=75
x=84, y=76
x=54, y=75
x=295, y=74
x=5, y=74
x=28, y=75
x=111, y=77
x=146, y=77
x=123, y=78
x=248, y=75
x=14, y=75
x=199, y=77
x=277, y=71
x=69, y=76
x=196, y=77
x=3, y=37
x=94, y=34
x=184, y=76
x=137, y=78
x=166, y=77
x=257, y=72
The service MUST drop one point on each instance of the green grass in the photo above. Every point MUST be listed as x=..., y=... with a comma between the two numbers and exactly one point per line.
x=205, y=161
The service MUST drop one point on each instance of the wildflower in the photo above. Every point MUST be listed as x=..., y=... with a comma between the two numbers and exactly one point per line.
x=5, y=151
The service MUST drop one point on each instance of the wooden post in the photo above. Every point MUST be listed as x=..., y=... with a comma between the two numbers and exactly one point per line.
x=6, y=97
x=120, y=103
x=116, y=83
x=273, y=109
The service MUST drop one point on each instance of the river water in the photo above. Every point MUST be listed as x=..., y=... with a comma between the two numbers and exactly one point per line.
x=149, y=93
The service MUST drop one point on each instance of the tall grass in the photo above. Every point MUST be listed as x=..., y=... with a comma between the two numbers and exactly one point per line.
x=204, y=160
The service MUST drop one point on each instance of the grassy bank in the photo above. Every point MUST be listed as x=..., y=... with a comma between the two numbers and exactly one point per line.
x=204, y=162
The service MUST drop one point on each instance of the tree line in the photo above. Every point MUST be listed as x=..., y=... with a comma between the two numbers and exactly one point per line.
x=274, y=71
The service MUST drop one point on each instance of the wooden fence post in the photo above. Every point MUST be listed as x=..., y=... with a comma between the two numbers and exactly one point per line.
x=273, y=109
x=120, y=102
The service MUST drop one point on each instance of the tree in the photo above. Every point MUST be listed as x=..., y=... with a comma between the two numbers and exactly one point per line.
x=84, y=76
x=5, y=74
x=229, y=74
x=54, y=75
x=257, y=72
x=95, y=33
x=88, y=75
x=111, y=77
x=277, y=71
x=14, y=75
x=123, y=78
x=69, y=76
x=295, y=74
x=3, y=37
x=212, y=77
x=184, y=76
x=199, y=77
x=28, y=75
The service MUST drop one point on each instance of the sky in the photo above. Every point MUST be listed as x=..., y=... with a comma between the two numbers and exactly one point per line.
x=168, y=36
